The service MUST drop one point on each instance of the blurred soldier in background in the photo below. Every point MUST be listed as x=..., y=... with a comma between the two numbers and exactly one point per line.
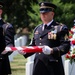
x=6, y=39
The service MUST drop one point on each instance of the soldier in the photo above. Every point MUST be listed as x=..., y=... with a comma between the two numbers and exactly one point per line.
x=53, y=37
x=6, y=39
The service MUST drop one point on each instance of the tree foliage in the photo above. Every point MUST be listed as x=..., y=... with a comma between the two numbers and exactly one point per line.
x=64, y=13
x=25, y=13
x=15, y=12
x=68, y=1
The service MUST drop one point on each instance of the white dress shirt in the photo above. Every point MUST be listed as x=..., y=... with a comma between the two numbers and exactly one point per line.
x=47, y=24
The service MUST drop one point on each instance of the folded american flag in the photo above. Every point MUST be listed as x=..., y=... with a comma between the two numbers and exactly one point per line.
x=26, y=49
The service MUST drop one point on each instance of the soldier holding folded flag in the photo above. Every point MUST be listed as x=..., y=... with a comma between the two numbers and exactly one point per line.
x=53, y=37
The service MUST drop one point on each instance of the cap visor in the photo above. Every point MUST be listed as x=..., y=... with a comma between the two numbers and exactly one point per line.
x=44, y=10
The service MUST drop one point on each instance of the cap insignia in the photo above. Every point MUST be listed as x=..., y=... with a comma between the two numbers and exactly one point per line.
x=42, y=4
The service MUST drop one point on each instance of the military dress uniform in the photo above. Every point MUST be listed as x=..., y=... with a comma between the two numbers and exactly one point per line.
x=56, y=37
x=8, y=40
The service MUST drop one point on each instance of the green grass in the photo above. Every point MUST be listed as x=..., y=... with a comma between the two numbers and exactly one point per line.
x=18, y=65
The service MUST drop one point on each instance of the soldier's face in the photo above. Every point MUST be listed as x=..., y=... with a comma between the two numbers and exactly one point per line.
x=47, y=17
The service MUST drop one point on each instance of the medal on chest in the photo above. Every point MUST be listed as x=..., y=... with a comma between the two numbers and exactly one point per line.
x=52, y=35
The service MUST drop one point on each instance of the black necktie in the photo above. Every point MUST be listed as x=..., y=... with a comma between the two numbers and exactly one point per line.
x=45, y=26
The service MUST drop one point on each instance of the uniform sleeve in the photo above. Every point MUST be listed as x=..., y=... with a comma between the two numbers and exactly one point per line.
x=64, y=46
x=9, y=35
x=32, y=43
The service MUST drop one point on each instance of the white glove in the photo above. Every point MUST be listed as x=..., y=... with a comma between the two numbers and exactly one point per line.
x=6, y=50
x=46, y=50
x=21, y=52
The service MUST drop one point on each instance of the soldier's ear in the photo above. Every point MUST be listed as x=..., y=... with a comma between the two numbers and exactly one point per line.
x=53, y=13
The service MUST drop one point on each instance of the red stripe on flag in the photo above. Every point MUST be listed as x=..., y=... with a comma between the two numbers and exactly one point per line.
x=13, y=48
x=32, y=50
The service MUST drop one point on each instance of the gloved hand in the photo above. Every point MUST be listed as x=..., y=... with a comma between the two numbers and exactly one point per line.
x=6, y=50
x=46, y=50
x=21, y=52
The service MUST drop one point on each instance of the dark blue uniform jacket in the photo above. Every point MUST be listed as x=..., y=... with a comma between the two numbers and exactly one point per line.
x=56, y=37
x=7, y=40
